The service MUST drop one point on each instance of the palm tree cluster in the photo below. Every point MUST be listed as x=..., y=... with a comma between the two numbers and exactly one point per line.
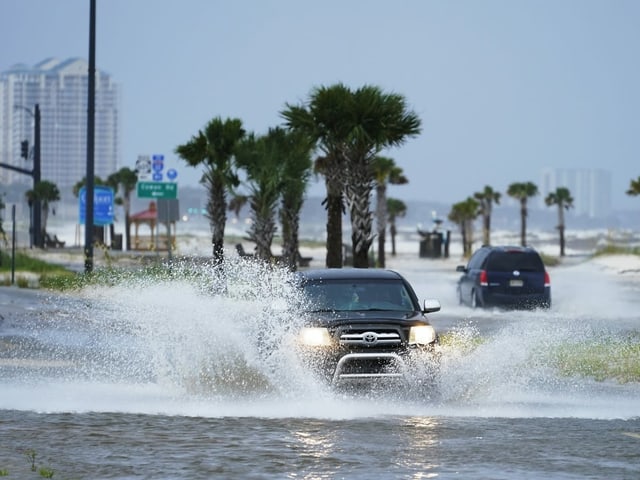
x=276, y=167
x=481, y=204
x=348, y=127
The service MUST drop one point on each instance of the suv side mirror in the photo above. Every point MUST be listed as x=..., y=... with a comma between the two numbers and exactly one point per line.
x=431, y=305
x=461, y=268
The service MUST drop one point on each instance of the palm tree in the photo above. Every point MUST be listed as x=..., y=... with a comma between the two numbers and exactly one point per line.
x=486, y=199
x=47, y=192
x=378, y=120
x=634, y=188
x=213, y=148
x=323, y=120
x=124, y=179
x=463, y=214
x=296, y=174
x=264, y=159
x=563, y=199
x=353, y=129
x=522, y=191
x=395, y=209
x=385, y=172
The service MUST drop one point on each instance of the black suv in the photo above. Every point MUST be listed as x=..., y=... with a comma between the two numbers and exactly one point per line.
x=505, y=276
x=363, y=324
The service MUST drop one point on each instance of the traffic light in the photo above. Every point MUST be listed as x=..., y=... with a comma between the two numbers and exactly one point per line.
x=24, y=149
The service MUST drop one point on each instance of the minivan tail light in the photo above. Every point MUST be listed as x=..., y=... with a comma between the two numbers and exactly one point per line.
x=483, y=278
x=547, y=279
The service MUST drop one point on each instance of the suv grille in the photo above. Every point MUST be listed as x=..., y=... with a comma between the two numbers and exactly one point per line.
x=370, y=338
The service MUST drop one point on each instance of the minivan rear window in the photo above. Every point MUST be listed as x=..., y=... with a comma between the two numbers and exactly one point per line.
x=510, y=261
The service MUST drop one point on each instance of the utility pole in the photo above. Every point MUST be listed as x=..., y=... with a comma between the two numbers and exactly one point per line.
x=88, y=223
x=37, y=204
x=36, y=217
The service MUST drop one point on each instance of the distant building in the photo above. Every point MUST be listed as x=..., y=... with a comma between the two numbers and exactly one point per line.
x=60, y=90
x=590, y=189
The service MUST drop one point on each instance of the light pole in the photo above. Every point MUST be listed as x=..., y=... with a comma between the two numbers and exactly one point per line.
x=88, y=222
x=36, y=174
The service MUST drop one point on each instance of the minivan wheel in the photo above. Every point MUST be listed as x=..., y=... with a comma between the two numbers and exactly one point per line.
x=460, y=301
x=474, y=299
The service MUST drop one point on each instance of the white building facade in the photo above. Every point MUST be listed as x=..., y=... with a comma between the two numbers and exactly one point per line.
x=590, y=189
x=60, y=90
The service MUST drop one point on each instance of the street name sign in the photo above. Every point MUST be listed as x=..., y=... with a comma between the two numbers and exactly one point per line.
x=157, y=190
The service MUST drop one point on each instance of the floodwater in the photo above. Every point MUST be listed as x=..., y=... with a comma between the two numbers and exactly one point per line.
x=161, y=379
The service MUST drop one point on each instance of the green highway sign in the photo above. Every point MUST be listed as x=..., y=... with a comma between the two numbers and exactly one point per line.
x=157, y=190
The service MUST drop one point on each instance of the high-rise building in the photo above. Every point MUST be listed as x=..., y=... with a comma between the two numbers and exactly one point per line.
x=60, y=90
x=590, y=189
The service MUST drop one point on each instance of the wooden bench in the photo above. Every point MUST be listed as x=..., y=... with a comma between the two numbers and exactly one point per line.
x=53, y=242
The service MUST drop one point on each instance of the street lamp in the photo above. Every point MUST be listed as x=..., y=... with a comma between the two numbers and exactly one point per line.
x=36, y=174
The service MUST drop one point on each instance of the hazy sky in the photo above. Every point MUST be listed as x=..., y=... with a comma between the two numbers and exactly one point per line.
x=504, y=88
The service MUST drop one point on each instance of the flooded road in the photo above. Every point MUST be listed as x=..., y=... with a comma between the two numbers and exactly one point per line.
x=160, y=379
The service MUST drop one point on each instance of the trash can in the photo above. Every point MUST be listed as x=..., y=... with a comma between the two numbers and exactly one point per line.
x=431, y=245
x=116, y=242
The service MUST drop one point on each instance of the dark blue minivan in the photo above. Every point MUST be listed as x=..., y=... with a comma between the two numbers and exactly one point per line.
x=506, y=277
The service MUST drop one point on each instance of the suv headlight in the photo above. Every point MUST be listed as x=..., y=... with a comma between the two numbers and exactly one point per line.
x=315, y=337
x=422, y=335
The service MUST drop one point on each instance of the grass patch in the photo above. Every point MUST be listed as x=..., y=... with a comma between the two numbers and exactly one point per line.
x=549, y=260
x=616, y=250
x=25, y=263
x=615, y=359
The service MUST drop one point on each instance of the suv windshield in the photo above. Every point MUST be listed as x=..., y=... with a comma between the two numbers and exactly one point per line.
x=357, y=295
x=510, y=261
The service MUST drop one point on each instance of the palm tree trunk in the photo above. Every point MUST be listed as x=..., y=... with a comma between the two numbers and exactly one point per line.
x=334, y=182
x=217, y=213
x=486, y=231
x=358, y=192
x=381, y=219
x=463, y=233
x=127, y=220
x=468, y=233
x=523, y=222
x=289, y=237
x=561, y=227
x=392, y=231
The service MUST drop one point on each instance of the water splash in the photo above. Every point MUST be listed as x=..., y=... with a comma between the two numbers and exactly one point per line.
x=196, y=342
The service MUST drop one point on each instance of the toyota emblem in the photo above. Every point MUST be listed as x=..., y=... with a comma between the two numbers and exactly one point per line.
x=370, y=338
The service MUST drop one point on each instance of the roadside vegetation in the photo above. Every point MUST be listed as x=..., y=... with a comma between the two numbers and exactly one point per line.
x=29, y=272
x=616, y=250
x=613, y=359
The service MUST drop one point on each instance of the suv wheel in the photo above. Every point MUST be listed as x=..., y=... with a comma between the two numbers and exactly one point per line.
x=474, y=299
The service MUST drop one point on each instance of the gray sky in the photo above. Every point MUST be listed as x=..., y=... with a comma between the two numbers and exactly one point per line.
x=504, y=88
